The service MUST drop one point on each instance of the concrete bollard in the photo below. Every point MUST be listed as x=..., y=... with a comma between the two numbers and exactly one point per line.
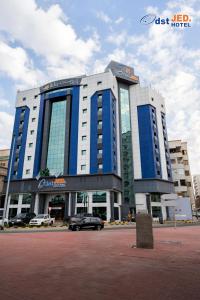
x=144, y=231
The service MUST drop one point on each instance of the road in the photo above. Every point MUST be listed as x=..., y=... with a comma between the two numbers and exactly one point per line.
x=100, y=265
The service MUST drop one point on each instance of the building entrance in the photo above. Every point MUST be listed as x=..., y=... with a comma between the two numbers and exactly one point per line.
x=57, y=207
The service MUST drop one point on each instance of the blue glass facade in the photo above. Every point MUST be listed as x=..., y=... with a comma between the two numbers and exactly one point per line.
x=103, y=139
x=149, y=142
x=166, y=146
x=73, y=151
x=56, y=146
x=20, y=133
x=127, y=152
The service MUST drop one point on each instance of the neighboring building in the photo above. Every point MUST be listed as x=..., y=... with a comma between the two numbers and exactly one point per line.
x=196, y=182
x=181, y=211
x=98, y=142
x=181, y=169
x=4, y=157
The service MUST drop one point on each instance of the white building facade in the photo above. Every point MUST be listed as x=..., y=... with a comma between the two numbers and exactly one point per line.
x=95, y=144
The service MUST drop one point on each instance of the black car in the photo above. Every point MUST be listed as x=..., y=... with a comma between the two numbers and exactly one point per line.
x=21, y=219
x=78, y=223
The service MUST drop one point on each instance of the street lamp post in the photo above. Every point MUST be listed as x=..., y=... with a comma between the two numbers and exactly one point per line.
x=8, y=183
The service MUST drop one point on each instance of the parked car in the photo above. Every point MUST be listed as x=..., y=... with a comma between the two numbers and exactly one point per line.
x=78, y=223
x=41, y=220
x=1, y=219
x=1, y=222
x=21, y=219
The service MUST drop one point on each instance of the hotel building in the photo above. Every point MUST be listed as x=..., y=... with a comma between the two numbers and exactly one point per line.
x=94, y=143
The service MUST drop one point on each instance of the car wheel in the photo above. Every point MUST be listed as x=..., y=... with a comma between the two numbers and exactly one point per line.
x=42, y=224
x=77, y=228
x=99, y=227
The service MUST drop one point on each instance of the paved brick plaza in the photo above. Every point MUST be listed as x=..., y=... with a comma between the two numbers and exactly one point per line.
x=100, y=265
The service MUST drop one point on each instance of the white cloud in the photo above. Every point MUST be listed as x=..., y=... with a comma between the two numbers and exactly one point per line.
x=47, y=33
x=6, y=125
x=4, y=103
x=117, y=38
x=16, y=64
x=119, y=20
x=172, y=67
x=103, y=17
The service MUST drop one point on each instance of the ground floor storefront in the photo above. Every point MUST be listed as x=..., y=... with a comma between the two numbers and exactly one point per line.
x=105, y=204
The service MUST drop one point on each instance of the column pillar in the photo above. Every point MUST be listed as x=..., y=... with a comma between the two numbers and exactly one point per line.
x=32, y=204
x=112, y=205
x=8, y=206
x=42, y=198
x=90, y=202
x=66, y=211
x=36, y=206
x=108, y=206
x=73, y=203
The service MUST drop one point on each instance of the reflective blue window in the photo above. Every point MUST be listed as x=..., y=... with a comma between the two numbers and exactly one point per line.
x=55, y=157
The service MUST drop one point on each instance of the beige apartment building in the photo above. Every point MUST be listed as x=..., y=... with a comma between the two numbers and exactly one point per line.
x=196, y=182
x=4, y=157
x=181, y=170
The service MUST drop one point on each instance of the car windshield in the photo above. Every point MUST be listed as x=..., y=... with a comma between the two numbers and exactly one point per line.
x=40, y=216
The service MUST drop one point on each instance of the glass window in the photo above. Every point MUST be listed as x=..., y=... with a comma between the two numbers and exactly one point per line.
x=84, y=138
x=126, y=146
x=82, y=197
x=83, y=152
x=100, y=166
x=33, y=119
x=34, y=107
x=12, y=212
x=155, y=198
x=100, y=124
x=83, y=167
x=100, y=136
x=100, y=212
x=26, y=199
x=14, y=199
x=84, y=98
x=85, y=86
x=25, y=210
x=100, y=151
x=28, y=171
x=56, y=146
x=24, y=98
x=29, y=158
x=30, y=145
x=99, y=197
x=99, y=82
x=32, y=132
x=84, y=110
x=84, y=124
x=100, y=110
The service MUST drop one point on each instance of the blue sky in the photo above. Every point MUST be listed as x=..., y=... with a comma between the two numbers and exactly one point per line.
x=43, y=40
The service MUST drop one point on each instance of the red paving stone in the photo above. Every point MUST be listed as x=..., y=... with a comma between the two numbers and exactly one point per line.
x=100, y=265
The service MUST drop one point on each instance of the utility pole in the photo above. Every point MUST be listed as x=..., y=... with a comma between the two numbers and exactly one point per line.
x=8, y=182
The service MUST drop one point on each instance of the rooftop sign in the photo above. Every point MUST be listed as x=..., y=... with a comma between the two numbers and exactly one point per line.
x=123, y=72
x=60, y=84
